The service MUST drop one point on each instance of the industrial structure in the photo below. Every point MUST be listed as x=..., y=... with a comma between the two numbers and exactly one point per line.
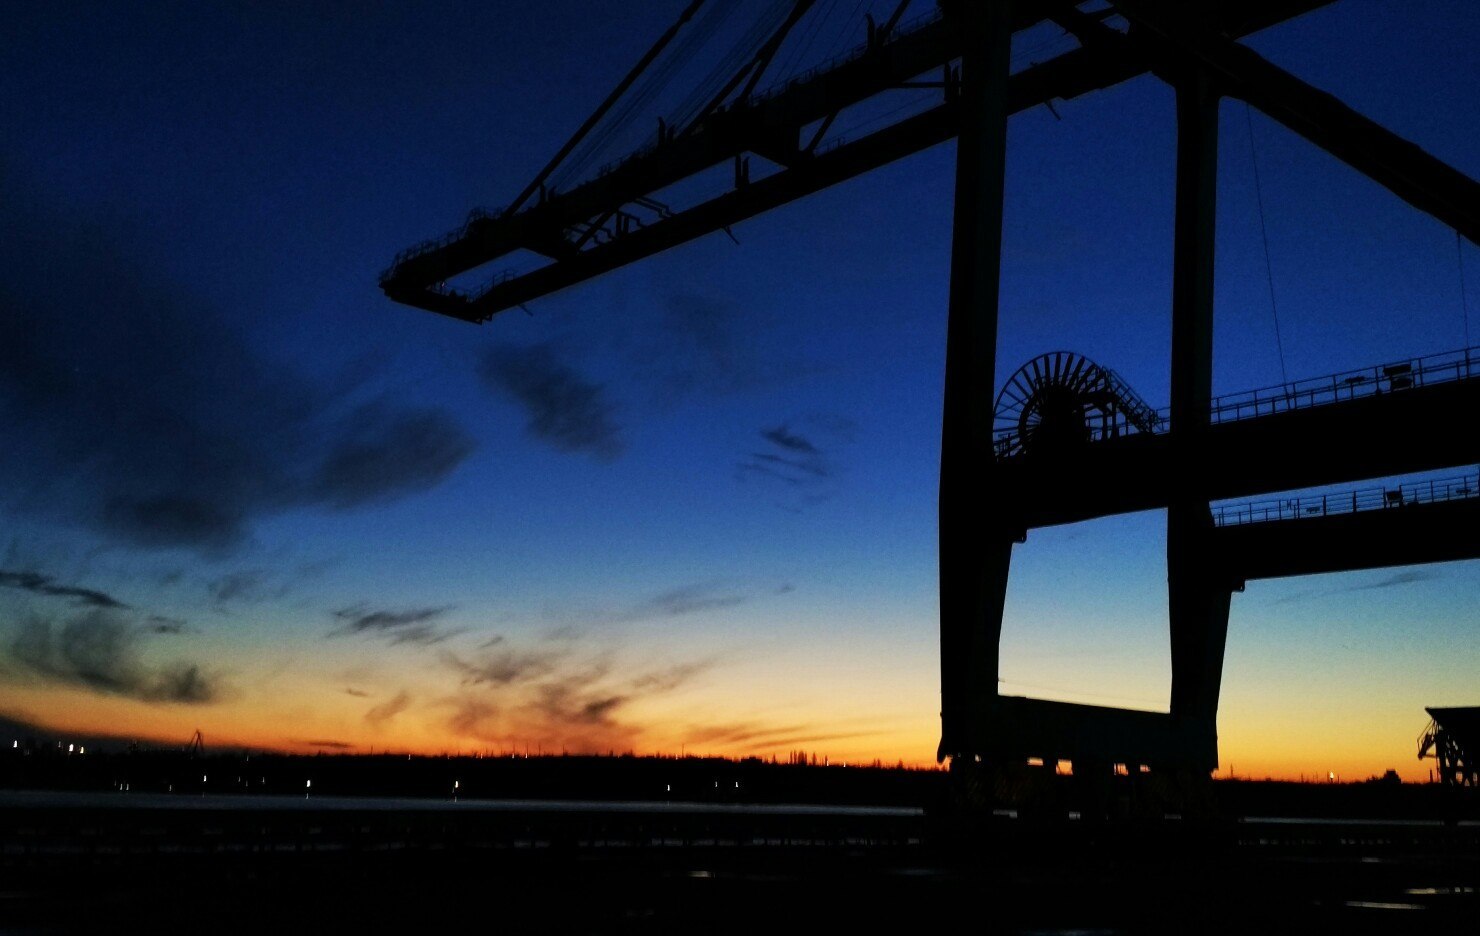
x=1067, y=440
x=1453, y=739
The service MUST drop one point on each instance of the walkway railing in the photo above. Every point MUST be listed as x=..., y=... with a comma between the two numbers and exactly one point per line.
x=1434, y=491
x=1349, y=385
x=1393, y=377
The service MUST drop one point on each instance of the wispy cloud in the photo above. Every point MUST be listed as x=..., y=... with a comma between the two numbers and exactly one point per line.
x=405, y=626
x=159, y=624
x=242, y=585
x=38, y=584
x=325, y=743
x=704, y=347
x=564, y=410
x=564, y=697
x=505, y=667
x=687, y=599
x=1398, y=578
x=380, y=714
x=99, y=652
x=784, y=438
x=1407, y=577
x=760, y=736
x=799, y=465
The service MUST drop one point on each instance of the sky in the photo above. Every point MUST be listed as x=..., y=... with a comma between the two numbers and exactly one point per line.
x=685, y=507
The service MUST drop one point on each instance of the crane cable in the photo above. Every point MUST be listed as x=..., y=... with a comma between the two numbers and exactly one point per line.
x=1264, y=235
x=659, y=76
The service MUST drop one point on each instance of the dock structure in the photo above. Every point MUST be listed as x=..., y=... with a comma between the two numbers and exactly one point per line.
x=1079, y=444
x=1453, y=739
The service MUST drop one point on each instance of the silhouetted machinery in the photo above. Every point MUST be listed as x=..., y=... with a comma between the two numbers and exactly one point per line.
x=1453, y=739
x=1060, y=400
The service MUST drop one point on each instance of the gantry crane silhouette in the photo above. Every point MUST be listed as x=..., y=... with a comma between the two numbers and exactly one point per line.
x=1066, y=440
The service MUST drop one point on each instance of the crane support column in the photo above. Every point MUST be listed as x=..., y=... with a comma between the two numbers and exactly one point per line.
x=975, y=542
x=1198, y=591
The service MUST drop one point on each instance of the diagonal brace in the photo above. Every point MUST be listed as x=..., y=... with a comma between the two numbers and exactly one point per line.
x=1424, y=181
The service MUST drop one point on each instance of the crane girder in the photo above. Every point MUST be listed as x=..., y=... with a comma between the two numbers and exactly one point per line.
x=559, y=225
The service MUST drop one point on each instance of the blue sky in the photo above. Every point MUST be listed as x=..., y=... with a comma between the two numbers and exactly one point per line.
x=199, y=199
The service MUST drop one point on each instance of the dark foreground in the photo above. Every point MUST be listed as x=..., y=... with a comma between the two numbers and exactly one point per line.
x=114, y=864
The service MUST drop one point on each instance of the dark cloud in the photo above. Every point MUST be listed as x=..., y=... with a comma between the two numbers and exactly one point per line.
x=796, y=471
x=424, y=635
x=410, y=626
x=786, y=439
x=557, y=697
x=252, y=586
x=100, y=652
x=688, y=599
x=385, y=711
x=578, y=710
x=564, y=410
x=493, y=641
x=159, y=624
x=754, y=736
x=804, y=464
x=135, y=408
x=385, y=454
x=357, y=693
x=503, y=668
x=38, y=584
x=667, y=680
x=475, y=718
x=247, y=585
x=1398, y=578
x=1407, y=577
x=705, y=347
x=323, y=743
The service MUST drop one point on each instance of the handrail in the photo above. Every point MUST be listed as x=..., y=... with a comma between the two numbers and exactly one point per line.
x=1434, y=491
x=1392, y=377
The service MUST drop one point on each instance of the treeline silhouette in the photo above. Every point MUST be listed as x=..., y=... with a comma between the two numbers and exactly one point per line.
x=507, y=776
x=606, y=778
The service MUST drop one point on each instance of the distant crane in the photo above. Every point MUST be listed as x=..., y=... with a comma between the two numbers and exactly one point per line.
x=1453, y=739
x=197, y=745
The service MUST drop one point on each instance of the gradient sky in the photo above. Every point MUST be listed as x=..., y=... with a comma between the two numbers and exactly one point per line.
x=243, y=492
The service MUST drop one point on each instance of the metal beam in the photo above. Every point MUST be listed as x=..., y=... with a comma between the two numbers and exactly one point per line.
x=1411, y=534
x=1197, y=599
x=975, y=550
x=1370, y=437
x=414, y=277
x=1424, y=181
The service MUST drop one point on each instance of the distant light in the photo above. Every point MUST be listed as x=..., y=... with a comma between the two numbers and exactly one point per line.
x=82, y=750
x=15, y=744
x=202, y=778
x=455, y=784
x=69, y=749
x=307, y=784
